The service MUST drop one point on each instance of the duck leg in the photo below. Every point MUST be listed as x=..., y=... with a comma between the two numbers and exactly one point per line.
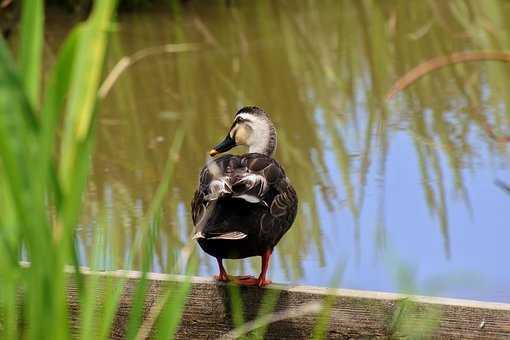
x=223, y=276
x=266, y=258
x=262, y=280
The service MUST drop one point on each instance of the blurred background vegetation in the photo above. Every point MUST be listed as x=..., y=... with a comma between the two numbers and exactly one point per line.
x=322, y=72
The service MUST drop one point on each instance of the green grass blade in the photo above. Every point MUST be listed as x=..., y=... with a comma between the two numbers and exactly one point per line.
x=54, y=99
x=236, y=305
x=136, y=313
x=152, y=215
x=12, y=81
x=13, y=130
x=8, y=310
x=57, y=90
x=161, y=191
x=113, y=289
x=170, y=317
x=32, y=26
x=324, y=318
x=88, y=303
x=85, y=52
x=267, y=306
x=85, y=81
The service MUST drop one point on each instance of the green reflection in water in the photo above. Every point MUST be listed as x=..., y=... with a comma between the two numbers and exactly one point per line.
x=322, y=72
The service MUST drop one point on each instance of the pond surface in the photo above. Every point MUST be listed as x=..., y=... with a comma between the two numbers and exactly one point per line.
x=404, y=195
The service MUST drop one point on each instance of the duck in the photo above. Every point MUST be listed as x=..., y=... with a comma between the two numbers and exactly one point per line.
x=244, y=204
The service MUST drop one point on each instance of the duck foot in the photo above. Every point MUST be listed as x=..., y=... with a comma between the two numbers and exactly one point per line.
x=261, y=282
x=231, y=278
x=240, y=278
x=221, y=278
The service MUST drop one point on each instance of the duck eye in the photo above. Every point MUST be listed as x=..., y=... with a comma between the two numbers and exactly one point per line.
x=240, y=120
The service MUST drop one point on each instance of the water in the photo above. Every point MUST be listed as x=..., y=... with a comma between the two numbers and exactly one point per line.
x=394, y=196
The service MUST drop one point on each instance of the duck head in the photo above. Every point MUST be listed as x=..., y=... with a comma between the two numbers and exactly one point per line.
x=252, y=128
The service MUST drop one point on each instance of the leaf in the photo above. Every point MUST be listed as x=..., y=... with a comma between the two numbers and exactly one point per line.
x=85, y=79
x=32, y=23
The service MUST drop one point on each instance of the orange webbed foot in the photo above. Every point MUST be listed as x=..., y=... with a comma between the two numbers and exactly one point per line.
x=221, y=278
x=252, y=281
x=233, y=279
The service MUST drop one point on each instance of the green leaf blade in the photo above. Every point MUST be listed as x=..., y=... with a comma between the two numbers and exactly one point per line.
x=32, y=31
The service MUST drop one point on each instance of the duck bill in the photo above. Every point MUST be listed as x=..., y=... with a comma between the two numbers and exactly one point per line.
x=227, y=144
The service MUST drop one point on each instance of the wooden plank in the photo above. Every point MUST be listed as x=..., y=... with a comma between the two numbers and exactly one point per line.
x=354, y=314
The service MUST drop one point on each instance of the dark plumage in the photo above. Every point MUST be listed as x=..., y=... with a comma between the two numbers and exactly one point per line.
x=244, y=204
x=254, y=110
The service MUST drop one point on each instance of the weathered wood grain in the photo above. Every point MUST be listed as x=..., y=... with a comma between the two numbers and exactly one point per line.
x=354, y=314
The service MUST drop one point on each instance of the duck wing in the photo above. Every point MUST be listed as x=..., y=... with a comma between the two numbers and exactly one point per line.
x=254, y=178
x=266, y=182
x=283, y=212
x=215, y=182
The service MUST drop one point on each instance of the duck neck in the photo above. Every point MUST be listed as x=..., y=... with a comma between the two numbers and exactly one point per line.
x=265, y=142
